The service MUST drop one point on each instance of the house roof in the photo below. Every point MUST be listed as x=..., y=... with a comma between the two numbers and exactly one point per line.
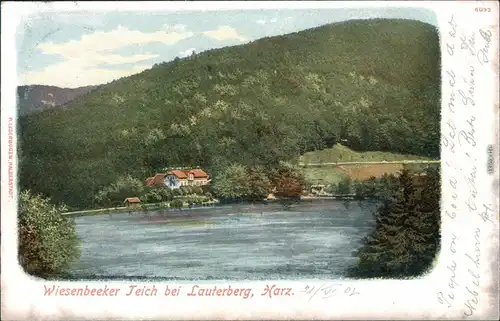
x=198, y=173
x=132, y=200
x=178, y=173
x=158, y=179
x=149, y=181
x=181, y=174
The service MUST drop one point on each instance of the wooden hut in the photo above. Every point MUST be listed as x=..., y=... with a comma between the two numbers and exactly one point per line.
x=132, y=202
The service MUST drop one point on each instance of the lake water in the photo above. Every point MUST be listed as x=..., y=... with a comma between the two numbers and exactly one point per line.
x=310, y=241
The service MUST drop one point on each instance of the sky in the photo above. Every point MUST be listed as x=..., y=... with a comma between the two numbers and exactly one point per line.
x=79, y=49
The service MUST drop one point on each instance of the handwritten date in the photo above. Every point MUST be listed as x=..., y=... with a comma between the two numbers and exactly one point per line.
x=326, y=291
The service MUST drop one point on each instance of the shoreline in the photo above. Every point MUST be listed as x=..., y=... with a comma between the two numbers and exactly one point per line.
x=230, y=210
x=111, y=210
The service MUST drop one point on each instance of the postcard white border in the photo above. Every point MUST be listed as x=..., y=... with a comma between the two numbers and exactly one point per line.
x=22, y=295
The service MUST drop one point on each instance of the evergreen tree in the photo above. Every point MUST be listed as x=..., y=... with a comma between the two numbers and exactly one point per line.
x=406, y=236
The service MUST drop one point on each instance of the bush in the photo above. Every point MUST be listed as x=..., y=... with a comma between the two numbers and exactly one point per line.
x=344, y=186
x=176, y=204
x=48, y=243
x=198, y=190
x=156, y=195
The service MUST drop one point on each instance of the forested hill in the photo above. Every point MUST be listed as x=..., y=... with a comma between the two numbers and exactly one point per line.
x=370, y=84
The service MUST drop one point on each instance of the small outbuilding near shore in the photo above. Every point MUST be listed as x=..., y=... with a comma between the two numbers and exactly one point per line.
x=132, y=202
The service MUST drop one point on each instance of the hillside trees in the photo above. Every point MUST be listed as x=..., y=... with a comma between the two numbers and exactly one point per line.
x=48, y=243
x=306, y=91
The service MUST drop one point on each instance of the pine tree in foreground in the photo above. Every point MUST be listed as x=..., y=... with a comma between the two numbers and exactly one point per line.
x=406, y=236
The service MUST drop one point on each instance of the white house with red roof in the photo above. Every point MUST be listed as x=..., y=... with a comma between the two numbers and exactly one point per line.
x=176, y=178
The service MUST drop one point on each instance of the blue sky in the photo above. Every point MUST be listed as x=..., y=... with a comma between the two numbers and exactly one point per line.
x=79, y=49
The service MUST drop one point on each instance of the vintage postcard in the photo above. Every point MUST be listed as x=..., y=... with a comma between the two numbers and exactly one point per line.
x=250, y=160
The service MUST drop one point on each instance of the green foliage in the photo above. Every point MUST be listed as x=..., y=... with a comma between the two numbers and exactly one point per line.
x=48, y=243
x=344, y=187
x=259, y=183
x=366, y=189
x=232, y=183
x=383, y=188
x=252, y=183
x=117, y=192
x=156, y=195
x=194, y=198
x=186, y=190
x=190, y=194
x=407, y=233
x=375, y=85
x=239, y=182
x=177, y=203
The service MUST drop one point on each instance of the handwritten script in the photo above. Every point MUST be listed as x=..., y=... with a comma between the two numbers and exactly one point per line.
x=470, y=51
x=328, y=290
